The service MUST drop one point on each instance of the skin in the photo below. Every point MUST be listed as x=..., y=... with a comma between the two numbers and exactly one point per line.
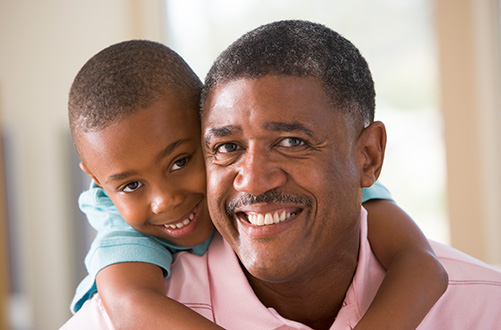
x=280, y=133
x=156, y=178
x=152, y=188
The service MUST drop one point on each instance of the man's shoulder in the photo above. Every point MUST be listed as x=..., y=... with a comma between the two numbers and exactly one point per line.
x=195, y=279
x=92, y=315
x=463, y=268
x=473, y=298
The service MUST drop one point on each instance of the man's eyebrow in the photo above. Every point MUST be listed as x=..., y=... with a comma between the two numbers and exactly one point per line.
x=162, y=154
x=279, y=126
x=217, y=132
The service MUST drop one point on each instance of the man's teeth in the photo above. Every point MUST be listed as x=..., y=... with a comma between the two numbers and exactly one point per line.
x=268, y=218
x=180, y=224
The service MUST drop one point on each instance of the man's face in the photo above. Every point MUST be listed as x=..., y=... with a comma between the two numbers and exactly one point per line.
x=283, y=172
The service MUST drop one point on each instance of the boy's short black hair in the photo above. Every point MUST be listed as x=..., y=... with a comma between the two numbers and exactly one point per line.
x=127, y=77
x=302, y=49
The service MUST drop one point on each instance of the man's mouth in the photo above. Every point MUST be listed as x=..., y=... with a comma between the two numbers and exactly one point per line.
x=263, y=210
x=182, y=223
x=271, y=218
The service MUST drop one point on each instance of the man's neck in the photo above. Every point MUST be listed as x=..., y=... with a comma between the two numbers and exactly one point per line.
x=314, y=299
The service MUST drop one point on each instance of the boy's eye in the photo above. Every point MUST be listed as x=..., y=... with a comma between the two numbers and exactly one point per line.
x=291, y=142
x=131, y=187
x=179, y=164
x=226, y=148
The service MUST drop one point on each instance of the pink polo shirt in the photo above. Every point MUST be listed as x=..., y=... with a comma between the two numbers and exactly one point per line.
x=214, y=286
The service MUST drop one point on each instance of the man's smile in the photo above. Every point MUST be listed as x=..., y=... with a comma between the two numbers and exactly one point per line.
x=268, y=218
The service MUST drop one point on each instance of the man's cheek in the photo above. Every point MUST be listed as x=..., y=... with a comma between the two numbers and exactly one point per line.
x=218, y=182
x=216, y=178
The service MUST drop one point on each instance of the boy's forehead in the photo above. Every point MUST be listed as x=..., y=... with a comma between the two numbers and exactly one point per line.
x=166, y=119
x=93, y=118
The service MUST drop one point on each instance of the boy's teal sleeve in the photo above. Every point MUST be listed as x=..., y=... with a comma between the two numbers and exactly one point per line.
x=376, y=191
x=117, y=242
x=118, y=246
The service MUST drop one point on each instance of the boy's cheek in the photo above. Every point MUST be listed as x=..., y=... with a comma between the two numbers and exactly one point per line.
x=128, y=212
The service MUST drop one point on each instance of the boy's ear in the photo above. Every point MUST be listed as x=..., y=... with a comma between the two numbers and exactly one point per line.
x=372, y=144
x=86, y=170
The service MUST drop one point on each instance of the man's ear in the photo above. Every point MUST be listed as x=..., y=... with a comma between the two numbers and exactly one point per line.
x=86, y=170
x=371, y=145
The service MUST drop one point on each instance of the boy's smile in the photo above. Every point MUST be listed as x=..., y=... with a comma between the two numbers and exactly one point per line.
x=186, y=225
x=151, y=166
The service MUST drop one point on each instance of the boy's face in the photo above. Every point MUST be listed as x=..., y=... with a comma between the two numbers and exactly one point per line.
x=151, y=166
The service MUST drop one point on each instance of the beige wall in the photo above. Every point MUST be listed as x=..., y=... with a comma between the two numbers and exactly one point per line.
x=43, y=45
x=4, y=271
x=470, y=93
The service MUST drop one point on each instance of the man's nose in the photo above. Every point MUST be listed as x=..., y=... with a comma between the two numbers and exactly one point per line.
x=165, y=199
x=259, y=172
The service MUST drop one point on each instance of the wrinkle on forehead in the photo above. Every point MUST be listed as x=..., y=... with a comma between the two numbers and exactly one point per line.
x=287, y=127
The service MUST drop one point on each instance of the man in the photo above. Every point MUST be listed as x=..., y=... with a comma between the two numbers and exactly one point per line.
x=288, y=125
x=278, y=148
x=271, y=136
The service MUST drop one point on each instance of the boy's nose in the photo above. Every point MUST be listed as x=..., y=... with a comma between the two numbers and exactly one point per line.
x=163, y=202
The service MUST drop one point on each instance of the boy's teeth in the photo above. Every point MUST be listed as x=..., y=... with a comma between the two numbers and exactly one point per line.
x=180, y=224
x=268, y=218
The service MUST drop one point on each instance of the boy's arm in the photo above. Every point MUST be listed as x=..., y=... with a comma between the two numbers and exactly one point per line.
x=415, y=279
x=134, y=297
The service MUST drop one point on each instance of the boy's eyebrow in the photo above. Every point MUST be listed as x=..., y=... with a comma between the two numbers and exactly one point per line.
x=162, y=154
x=169, y=149
x=215, y=132
x=120, y=176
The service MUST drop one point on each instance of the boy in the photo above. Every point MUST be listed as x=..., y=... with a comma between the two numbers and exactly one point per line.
x=133, y=112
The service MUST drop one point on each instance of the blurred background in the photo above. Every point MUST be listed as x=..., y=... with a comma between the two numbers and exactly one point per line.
x=436, y=68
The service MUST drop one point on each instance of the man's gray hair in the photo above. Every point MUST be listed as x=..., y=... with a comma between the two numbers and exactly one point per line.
x=302, y=49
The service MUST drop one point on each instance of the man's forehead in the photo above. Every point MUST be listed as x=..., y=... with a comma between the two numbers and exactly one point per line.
x=266, y=91
x=273, y=82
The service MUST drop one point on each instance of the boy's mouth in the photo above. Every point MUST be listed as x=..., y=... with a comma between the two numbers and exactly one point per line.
x=184, y=226
x=182, y=223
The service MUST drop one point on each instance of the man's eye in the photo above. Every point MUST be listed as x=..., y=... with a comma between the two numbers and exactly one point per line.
x=131, y=187
x=291, y=142
x=226, y=148
x=179, y=164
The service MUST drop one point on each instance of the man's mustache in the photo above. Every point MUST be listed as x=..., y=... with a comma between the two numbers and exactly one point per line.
x=271, y=196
